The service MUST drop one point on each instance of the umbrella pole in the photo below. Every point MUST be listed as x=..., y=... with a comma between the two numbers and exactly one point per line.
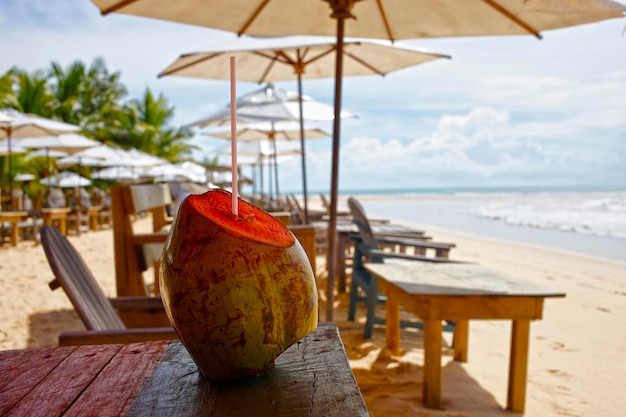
x=332, y=225
x=276, y=169
x=10, y=168
x=303, y=156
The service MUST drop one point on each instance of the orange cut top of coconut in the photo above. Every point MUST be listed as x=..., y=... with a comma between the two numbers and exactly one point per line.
x=252, y=223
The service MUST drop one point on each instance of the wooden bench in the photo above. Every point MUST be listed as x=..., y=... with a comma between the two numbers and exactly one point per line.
x=136, y=252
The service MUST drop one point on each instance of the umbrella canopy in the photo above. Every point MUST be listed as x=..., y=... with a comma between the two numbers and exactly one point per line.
x=277, y=131
x=270, y=130
x=381, y=19
x=39, y=153
x=264, y=60
x=4, y=149
x=116, y=173
x=14, y=124
x=66, y=179
x=68, y=142
x=182, y=171
x=256, y=152
x=97, y=156
x=272, y=104
x=51, y=145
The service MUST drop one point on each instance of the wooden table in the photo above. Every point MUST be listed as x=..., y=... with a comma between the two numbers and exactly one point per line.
x=460, y=292
x=13, y=217
x=311, y=378
x=50, y=215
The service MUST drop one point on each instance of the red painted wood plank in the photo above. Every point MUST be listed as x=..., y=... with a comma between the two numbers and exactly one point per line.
x=22, y=370
x=65, y=383
x=113, y=390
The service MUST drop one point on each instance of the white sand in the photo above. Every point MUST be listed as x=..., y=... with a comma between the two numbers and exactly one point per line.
x=576, y=363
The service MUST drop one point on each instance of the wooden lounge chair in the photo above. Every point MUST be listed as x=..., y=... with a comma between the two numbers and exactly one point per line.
x=136, y=252
x=368, y=248
x=106, y=319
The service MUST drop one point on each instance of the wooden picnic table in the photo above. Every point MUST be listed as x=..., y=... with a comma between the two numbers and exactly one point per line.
x=461, y=292
x=312, y=378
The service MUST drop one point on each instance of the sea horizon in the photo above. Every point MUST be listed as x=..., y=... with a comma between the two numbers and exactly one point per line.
x=589, y=220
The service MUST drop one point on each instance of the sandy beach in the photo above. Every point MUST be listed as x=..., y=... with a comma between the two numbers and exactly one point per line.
x=576, y=358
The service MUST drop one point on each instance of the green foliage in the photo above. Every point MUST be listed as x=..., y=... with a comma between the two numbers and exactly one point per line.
x=92, y=97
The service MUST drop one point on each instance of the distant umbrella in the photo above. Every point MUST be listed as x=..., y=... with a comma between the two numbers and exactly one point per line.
x=66, y=179
x=273, y=104
x=15, y=124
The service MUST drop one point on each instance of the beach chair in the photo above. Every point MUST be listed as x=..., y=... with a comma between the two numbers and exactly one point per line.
x=136, y=252
x=368, y=248
x=107, y=320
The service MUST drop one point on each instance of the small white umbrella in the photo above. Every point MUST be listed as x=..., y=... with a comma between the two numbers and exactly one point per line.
x=277, y=131
x=5, y=150
x=97, y=156
x=15, y=124
x=272, y=150
x=117, y=173
x=39, y=153
x=272, y=104
x=66, y=179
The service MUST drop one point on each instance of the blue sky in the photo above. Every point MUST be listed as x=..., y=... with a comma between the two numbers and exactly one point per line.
x=502, y=111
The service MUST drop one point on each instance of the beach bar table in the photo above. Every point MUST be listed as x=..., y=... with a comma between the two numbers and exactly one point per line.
x=461, y=292
x=14, y=218
x=311, y=378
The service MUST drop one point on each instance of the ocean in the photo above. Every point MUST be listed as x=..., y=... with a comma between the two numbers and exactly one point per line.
x=590, y=221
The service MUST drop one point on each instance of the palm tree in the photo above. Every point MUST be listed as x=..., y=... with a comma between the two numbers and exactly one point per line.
x=146, y=123
x=8, y=98
x=33, y=94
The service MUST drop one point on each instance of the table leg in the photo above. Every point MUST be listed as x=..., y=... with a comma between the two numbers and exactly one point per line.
x=341, y=261
x=93, y=221
x=392, y=325
x=461, y=340
x=432, y=363
x=63, y=226
x=518, y=366
x=14, y=233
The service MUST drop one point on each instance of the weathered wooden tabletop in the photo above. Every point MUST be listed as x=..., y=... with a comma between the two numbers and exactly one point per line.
x=311, y=378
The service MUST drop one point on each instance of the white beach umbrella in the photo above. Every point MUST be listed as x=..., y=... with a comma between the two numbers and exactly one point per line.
x=97, y=156
x=271, y=104
x=381, y=19
x=67, y=143
x=43, y=153
x=15, y=124
x=5, y=150
x=265, y=150
x=66, y=179
x=266, y=59
x=116, y=173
